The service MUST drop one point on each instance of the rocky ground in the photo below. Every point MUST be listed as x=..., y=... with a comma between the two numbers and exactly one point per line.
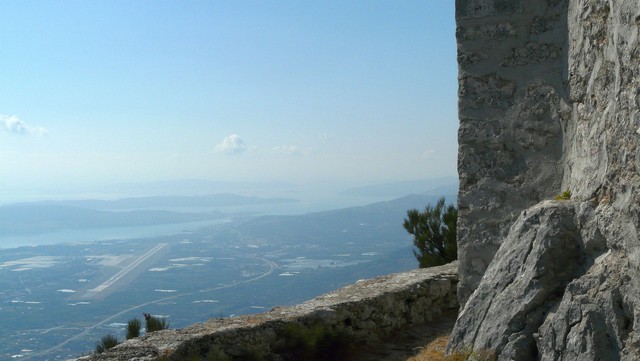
x=408, y=342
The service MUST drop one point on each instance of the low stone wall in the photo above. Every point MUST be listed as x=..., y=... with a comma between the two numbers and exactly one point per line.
x=367, y=311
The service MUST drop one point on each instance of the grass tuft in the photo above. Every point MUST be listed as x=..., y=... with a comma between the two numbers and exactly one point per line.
x=153, y=323
x=133, y=328
x=106, y=342
x=564, y=196
x=436, y=349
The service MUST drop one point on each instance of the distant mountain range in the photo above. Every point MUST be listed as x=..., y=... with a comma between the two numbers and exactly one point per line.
x=433, y=186
x=198, y=187
x=350, y=224
x=382, y=220
x=214, y=200
x=35, y=219
x=47, y=216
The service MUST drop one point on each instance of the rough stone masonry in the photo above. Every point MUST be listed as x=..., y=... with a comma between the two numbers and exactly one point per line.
x=549, y=97
x=367, y=310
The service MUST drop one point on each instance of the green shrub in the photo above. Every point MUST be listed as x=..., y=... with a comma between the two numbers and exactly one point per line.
x=253, y=353
x=153, y=323
x=564, y=196
x=133, y=328
x=217, y=355
x=106, y=342
x=214, y=354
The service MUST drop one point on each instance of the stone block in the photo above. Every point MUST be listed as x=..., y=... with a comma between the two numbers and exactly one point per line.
x=486, y=91
x=499, y=31
x=483, y=8
x=532, y=53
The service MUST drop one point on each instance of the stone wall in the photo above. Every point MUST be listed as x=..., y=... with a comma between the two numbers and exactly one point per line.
x=561, y=279
x=366, y=311
x=513, y=110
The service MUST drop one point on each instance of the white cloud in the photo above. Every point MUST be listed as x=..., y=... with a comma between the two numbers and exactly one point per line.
x=288, y=149
x=13, y=124
x=232, y=144
x=428, y=154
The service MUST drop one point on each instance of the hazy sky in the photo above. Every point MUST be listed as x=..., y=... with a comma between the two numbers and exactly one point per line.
x=99, y=92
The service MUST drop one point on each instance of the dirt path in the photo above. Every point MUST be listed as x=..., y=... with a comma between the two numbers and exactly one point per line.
x=407, y=342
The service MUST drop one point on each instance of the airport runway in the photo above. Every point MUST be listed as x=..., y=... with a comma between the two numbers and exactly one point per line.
x=92, y=293
x=271, y=267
